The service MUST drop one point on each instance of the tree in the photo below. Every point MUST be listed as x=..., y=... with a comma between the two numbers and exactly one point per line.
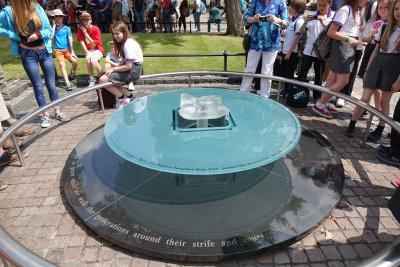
x=233, y=17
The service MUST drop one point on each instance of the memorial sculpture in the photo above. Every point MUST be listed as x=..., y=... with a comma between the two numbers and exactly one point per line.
x=202, y=174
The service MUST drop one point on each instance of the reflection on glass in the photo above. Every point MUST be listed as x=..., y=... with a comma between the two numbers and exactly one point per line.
x=248, y=142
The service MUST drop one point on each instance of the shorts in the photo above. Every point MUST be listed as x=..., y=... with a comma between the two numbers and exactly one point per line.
x=96, y=53
x=61, y=54
x=196, y=16
x=116, y=15
x=127, y=76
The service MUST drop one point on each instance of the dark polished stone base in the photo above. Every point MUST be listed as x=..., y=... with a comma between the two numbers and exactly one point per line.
x=202, y=218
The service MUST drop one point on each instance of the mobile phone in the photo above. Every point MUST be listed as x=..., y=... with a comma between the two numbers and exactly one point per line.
x=315, y=17
x=263, y=18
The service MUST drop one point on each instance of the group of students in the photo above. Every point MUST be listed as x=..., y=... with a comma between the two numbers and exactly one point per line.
x=28, y=27
x=350, y=33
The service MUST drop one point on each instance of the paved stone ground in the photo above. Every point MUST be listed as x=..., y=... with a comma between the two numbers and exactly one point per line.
x=35, y=213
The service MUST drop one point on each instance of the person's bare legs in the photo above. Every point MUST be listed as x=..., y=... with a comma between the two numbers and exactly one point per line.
x=366, y=98
x=385, y=105
x=116, y=90
x=335, y=82
x=96, y=63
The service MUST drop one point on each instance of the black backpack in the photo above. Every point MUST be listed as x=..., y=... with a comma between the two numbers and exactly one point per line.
x=108, y=98
x=297, y=96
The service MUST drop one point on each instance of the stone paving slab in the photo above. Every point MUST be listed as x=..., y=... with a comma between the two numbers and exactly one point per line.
x=35, y=212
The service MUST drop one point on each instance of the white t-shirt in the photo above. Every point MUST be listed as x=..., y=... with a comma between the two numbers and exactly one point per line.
x=132, y=51
x=393, y=40
x=344, y=17
x=314, y=28
x=197, y=2
x=291, y=32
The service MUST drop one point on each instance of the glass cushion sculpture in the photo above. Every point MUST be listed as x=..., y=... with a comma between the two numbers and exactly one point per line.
x=149, y=132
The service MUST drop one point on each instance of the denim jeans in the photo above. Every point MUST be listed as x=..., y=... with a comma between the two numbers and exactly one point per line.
x=30, y=60
x=218, y=22
x=166, y=18
x=139, y=19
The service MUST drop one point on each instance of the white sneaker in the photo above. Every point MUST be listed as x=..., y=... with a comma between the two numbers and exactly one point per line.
x=375, y=120
x=340, y=103
x=131, y=87
x=92, y=83
x=323, y=84
x=61, y=117
x=45, y=121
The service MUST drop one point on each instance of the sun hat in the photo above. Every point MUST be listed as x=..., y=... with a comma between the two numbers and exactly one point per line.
x=57, y=12
x=86, y=15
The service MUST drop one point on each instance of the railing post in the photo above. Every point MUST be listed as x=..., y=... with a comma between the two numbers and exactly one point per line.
x=225, y=60
x=18, y=151
x=279, y=91
x=190, y=80
x=364, y=140
x=101, y=100
x=190, y=26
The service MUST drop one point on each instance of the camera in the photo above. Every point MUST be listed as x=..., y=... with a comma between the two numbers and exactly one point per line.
x=263, y=18
x=315, y=17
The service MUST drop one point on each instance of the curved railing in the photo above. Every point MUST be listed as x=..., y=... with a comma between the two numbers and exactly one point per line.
x=12, y=251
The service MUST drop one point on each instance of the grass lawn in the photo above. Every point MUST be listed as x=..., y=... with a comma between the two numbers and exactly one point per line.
x=157, y=43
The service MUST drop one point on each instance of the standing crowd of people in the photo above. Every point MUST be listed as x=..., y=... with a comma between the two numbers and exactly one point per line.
x=139, y=15
x=365, y=42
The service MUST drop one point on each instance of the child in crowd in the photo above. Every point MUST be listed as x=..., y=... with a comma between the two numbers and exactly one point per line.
x=381, y=13
x=314, y=24
x=130, y=52
x=112, y=60
x=64, y=47
x=292, y=38
x=383, y=70
x=71, y=16
x=90, y=38
x=344, y=31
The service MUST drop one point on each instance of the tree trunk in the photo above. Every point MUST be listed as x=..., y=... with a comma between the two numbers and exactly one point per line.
x=233, y=17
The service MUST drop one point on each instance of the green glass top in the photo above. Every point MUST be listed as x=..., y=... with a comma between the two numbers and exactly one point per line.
x=146, y=132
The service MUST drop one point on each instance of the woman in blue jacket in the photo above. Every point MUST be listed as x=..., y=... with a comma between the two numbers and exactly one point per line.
x=28, y=27
x=267, y=18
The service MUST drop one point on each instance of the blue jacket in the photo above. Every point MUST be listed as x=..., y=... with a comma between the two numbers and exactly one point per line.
x=7, y=28
x=265, y=36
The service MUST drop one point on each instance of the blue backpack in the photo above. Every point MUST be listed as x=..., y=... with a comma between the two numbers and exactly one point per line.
x=203, y=8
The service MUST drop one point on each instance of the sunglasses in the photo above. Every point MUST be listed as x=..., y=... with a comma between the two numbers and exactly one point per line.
x=58, y=16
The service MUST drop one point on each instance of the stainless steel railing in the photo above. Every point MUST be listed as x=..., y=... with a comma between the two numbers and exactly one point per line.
x=12, y=252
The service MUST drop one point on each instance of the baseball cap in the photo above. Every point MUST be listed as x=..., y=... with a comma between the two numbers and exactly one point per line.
x=86, y=15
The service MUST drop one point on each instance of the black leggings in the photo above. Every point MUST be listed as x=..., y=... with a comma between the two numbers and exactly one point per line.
x=182, y=19
x=319, y=66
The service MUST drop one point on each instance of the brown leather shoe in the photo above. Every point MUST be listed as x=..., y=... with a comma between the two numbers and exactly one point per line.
x=8, y=144
x=11, y=157
x=25, y=131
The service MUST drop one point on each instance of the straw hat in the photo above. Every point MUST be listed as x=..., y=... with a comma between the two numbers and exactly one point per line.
x=57, y=12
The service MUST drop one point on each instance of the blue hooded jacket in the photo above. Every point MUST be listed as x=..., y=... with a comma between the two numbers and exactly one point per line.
x=7, y=28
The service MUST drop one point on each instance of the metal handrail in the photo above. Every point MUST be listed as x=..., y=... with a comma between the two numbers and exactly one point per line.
x=17, y=254
x=388, y=257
